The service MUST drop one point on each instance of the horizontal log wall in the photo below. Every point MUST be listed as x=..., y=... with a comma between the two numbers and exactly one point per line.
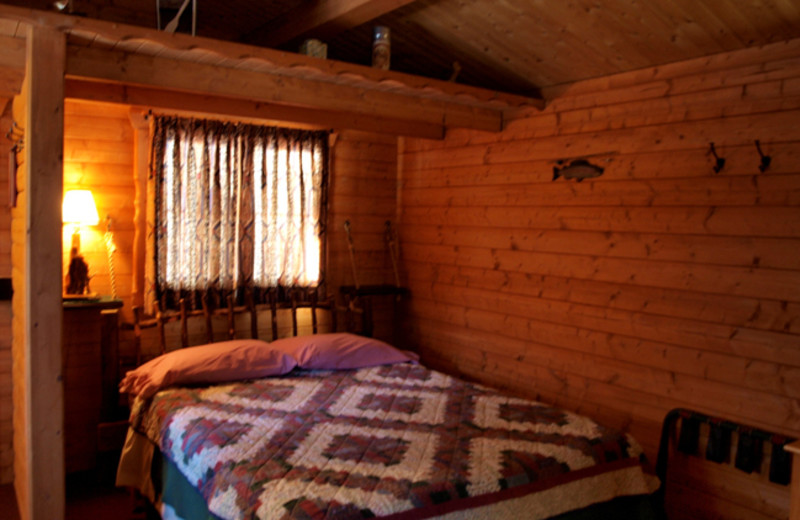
x=6, y=403
x=98, y=155
x=363, y=191
x=98, y=148
x=660, y=284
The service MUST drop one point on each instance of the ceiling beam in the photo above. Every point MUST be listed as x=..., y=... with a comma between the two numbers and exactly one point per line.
x=243, y=110
x=13, y=54
x=12, y=65
x=320, y=19
x=11, y=80
x=198, y=78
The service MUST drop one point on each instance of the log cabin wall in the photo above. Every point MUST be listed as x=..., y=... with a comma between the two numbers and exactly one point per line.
x=6, y=404
x=17, y=378
x=660, y=284
x=98, y=155
x=363, y=191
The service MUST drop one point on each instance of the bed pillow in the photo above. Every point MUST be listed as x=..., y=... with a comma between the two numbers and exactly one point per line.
x=212, y=363
x=341, y=350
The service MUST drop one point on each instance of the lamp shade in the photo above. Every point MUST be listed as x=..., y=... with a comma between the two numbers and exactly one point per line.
x=79, y=208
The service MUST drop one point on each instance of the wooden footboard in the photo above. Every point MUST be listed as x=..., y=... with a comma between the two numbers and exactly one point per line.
x=711, y=457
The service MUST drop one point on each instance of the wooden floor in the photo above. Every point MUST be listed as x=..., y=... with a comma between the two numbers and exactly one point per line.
x=8, y=511
x=90, y=496
x=99, y=504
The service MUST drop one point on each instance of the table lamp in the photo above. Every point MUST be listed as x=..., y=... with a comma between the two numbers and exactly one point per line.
x=78, y=210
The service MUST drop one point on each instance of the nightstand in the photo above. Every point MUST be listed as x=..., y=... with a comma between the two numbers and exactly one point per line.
x=90, y=344
x=794, y=489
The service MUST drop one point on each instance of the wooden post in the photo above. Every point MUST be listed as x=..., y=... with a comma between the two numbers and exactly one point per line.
x=184, y=323
x=313, y=298
x=251, y=307
x=231, y=318
x=44, y=392
x=794, y=485
x=162, y=333
x=141, y=128
x=207, y=317
x=137, y=333
x=273, y=313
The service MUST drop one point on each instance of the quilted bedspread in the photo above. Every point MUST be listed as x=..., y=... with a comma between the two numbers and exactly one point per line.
x=401, y=441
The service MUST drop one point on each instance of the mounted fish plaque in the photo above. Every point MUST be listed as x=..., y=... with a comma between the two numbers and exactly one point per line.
x=578, y=169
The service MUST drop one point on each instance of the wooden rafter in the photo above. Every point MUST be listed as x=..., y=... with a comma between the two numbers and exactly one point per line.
x=12, y=65
x=244, y=110
x=191, y=77
x=320, y=19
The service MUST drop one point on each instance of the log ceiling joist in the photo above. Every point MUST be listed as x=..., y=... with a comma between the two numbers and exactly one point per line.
x=191, y=77
x=320, y=19
x=11, y=80
x=243, y=109
x=235, y=78
x=12, y=65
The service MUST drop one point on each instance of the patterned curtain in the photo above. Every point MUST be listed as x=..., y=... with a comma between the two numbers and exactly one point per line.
x=236, y=207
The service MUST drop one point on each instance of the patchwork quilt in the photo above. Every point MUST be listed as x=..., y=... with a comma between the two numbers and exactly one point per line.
x=397, y=441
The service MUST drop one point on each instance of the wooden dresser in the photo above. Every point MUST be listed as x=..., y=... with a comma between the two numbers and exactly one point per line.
x=90, y=342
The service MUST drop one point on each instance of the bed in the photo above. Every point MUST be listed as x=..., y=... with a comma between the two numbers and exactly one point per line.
x=345, y=427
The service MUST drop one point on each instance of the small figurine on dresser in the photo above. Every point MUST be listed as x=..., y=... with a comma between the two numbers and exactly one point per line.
x=77, y=274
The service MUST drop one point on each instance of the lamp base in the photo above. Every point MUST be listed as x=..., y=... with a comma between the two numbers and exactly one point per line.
x=78, y=276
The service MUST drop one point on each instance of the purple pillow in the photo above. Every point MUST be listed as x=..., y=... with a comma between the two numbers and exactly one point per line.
x=341, y=350
x=212, y=363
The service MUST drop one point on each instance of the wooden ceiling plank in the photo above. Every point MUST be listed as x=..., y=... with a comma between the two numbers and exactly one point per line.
x=557, y=51
x=320, y=18
x=165, y=73
x=245, y=110
x=698, y=66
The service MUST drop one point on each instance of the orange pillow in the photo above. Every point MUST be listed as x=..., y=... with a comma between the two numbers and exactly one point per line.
x=212, y=363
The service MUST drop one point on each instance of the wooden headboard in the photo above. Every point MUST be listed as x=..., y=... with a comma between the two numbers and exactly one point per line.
x=204, y=319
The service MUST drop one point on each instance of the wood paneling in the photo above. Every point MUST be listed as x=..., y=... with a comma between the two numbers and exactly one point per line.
x=660, y=284
x=6, y=403
x=363, y=191
x=99, y=155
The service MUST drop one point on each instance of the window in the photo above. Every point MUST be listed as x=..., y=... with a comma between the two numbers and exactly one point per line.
x=236, y=207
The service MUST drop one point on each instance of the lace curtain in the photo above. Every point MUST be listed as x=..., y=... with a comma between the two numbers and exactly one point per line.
x=235, y=207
